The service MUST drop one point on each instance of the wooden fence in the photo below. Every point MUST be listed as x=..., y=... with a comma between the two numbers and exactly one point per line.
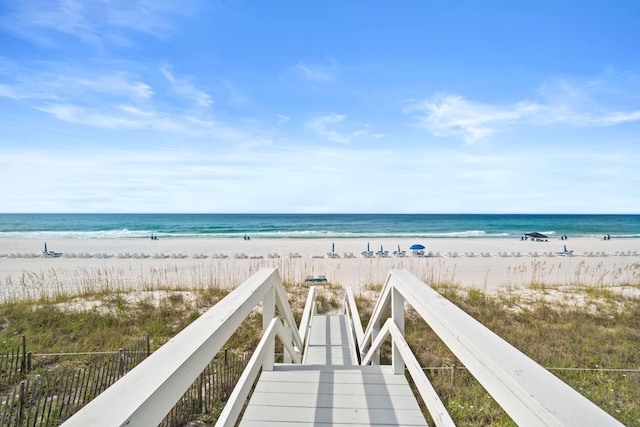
x=51, y=398
x=14, y=364
x=208, y=394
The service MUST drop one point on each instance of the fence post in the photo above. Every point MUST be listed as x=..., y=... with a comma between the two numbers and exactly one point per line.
x=20, y=403
x=148, y=346
x=29, y=360
x=121, y=354
x=201, y=406
x=23, y=364
x=453, y=372
x=225, y=375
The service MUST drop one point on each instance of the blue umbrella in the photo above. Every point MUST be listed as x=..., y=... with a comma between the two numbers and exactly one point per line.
x=565, y=248
x=333, y=246
x=45, y=247
x=416, y=247
x=367, y=246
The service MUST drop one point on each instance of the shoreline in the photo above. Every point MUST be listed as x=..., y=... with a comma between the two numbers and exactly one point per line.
x=120, y=264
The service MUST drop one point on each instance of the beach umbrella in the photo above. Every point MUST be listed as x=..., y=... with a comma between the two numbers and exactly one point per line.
x=416, y=247
x=399, y=249
x=367, y=246
x=565, y=248
x=536, y=235
x=333, y=247
x=45, y=247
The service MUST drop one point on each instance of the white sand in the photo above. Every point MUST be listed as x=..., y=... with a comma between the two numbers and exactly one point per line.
x=23, y=276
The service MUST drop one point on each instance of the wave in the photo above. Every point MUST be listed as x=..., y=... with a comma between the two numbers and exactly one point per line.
x=300, y=234
x=108, y=234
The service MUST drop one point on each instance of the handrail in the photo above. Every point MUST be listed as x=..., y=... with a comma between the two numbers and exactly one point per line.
x=382, y=305
x=233, y=407
x=307, y=314
x=355, y=316
x=354, y=322
x=529, y=394
x=148, y=392
x=430, y=397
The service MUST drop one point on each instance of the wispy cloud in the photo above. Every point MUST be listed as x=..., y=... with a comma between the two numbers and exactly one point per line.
x=336, y=128
x=120, y=101
x=453, y=115
x=317, y=73
x=91, y=22
x=183, y=87
x=446, y=114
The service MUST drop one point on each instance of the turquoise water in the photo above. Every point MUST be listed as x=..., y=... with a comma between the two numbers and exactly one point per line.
x=313, y=225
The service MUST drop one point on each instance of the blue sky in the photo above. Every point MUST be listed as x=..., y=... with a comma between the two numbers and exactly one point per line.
x=332, y=106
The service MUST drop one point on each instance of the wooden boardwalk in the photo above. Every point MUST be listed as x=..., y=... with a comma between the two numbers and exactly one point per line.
x=330, y=388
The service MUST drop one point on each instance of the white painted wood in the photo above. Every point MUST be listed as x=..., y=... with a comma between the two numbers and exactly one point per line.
x=530, y=394
x=430, y=397
x=307, y=314
x=373, y=328
x=397, y=314
x=355, y=316
x=268, y=313
x=329, y=342
x=146, y=394
x=335, y=395
x=229, y=415
x=232, y=409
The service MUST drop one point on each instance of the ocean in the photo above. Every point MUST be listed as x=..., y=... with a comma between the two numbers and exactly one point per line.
x=310, y=226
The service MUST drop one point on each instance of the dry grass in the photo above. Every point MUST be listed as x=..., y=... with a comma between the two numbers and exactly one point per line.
x=593, y=329
x=576, y=326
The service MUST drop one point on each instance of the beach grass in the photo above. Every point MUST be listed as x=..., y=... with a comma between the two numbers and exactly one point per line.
x=586, y=335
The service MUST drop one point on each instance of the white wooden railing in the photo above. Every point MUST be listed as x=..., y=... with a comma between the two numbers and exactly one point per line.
x=528, y=393
x=145, y=395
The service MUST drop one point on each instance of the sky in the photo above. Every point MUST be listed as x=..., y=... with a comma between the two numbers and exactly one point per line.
x=252, y=106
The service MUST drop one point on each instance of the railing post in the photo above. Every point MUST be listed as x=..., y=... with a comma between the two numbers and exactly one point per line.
x=287, y=334
x=268, y=313
x=375, y=330
x=397, y=312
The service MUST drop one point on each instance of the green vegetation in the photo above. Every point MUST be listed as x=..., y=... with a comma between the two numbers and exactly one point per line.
x=594, y=329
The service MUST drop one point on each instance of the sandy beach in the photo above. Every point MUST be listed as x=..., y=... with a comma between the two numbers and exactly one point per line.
x=484, y=263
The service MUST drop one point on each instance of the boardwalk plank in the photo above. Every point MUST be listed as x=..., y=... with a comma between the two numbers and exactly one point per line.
x=331, y=389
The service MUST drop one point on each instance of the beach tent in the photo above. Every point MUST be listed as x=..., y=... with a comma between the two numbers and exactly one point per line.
x=536, y=235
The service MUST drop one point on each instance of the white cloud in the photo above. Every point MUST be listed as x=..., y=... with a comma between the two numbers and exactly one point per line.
x=620, y=117
x=447, y=114
x=282, y=119
x=91, y=22
x=183, y=87
x=334, y=127
x=61, y=84
x=453, y=115
x=317, y=73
